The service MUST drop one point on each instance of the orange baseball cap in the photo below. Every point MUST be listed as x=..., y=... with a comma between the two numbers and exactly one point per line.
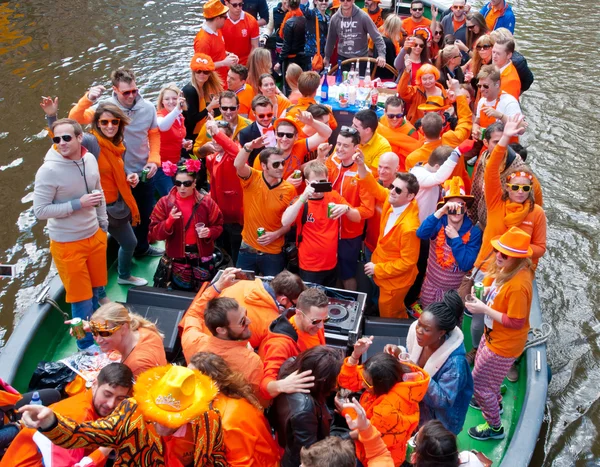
x=202, y=62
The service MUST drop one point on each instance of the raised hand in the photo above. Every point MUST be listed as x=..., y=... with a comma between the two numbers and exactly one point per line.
x=95, y=92
x=296, y=382
x=323, y=151
x=49, y=106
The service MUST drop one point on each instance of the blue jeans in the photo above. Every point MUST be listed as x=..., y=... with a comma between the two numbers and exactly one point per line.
x=84, y=310
x=125, y=237
x=261, y=263
x=162, y=183
x=144, y=197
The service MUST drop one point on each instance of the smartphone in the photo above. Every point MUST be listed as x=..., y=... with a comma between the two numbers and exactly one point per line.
x=245, y=275
x=7, y=270
x=322, y=187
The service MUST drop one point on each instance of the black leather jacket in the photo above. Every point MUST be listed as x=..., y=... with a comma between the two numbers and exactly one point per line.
x=299, y=421
x=294, y=36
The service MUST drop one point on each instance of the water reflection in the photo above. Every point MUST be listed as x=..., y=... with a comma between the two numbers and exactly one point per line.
x=62, y=48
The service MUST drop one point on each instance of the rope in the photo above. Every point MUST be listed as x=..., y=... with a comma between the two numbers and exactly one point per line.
x=538, y=336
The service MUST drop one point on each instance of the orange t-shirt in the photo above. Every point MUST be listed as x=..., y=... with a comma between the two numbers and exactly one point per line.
x=457, y=24
x=180, y=447
x=212, y=45
x=263, y=207
x=305, y=340
x=513, y=299
x=492, y=16
x=237, y=36
x=148, y=353
x=409, y=24
x=245, y=95
x=318, y=249
x=294, y=160
x=376, y=17
x=283, y=104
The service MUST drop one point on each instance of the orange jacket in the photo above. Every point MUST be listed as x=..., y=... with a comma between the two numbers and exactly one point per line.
x=414, y=96
x=246, y=433
x=403, y=139
x=280, y=344
x=510, y=81
x=24, y=452
x=397, y=252
x=395, y=414
x=376, y=452
x=345, y=181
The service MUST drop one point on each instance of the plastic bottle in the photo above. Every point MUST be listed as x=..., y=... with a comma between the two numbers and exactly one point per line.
x=374, y=97
x=325, y=87
x=35, y=399
x=338, y=75
x=367, y=79
x=352, y=94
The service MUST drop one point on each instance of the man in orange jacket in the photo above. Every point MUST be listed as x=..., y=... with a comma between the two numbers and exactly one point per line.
x=399, y=132
x=32, y=449
x=393, y=265
x=288, y=337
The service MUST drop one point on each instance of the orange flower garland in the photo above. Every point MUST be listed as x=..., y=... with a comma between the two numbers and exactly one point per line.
x=446, y=260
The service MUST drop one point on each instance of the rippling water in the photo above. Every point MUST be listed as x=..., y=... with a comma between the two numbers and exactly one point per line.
x=63, y=47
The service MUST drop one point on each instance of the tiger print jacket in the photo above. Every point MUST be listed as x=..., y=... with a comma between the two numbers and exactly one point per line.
x=135, y=440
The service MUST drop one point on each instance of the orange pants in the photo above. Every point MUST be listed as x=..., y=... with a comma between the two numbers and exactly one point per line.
x=81, y=265
x=391, y=303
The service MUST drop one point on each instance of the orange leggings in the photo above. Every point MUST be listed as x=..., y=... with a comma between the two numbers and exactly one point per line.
x=391, y=302
x=81, y=265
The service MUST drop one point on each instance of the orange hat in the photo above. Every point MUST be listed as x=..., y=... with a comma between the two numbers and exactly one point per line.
x=455, y=188
x=290, y=121
x=173, y=395
x=434, y=104
x=202, y=62
x=515, y=243
x=335, y=4
x=214, y=8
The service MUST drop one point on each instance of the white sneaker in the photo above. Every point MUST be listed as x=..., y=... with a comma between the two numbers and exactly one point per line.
x=132, y=281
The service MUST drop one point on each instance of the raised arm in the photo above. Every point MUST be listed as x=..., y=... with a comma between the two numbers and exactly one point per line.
x=323, y=131
x=241, y=160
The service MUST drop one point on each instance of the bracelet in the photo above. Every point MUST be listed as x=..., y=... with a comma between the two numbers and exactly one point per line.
x=304, y=201
x=215, y=287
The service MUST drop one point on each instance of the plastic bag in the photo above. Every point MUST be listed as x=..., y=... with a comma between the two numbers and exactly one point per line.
x=53, y=375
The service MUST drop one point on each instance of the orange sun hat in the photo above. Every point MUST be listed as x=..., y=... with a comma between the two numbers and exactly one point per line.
x=214, y=8
x=514, y=243
x=173, y=395
x=202, y=62
x=434, y=104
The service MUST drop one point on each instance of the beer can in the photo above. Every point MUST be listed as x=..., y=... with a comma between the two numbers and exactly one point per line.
x=144, y=176
x=297, y=174
x=482, y=134
x=410, y=448
x=478, y=288
x=330, y=207
x=77, y=328
x=260, y=231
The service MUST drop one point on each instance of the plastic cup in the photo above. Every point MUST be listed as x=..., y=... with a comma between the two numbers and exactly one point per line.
x=199, y=226
x=470, y=298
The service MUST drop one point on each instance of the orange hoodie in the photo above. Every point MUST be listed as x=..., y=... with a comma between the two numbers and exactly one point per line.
x=395, y=414
x=376, y=451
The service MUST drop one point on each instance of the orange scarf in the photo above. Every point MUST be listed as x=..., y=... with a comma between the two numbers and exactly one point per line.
x=112, y=156
x=288, y=15
x=446, y=261
x=515, y=213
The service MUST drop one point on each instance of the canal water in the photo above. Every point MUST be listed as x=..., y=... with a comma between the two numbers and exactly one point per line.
x=61, y=48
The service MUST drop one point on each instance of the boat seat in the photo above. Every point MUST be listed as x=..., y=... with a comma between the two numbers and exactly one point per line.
x=385, y=331
x=163, y=307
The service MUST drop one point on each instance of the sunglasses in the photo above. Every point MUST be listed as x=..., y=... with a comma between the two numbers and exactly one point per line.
x=502, y=255
x=398, y=190
x=349, y=129
x=470, y=28
x=524, y=188
x=187, y=183
x=457, y=56
x=202, y=72
x=236, y=5
x=367, y=384
x=314, y=322
x=277, y=164
x=284, y=134
x=133, y=92
x=437, y=33
x=65, y=138
x=100, y=330
x=113, y=122
x=417, y=9
x=484, y=86
x=458, y=7
x=231, y=109
x=268, y=115
x=346, y=1
x=392, y=116
x=483, y=47
x=416, y=44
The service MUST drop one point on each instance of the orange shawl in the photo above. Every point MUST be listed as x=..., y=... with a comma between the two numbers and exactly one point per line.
x=288, y=15
x=515, y=213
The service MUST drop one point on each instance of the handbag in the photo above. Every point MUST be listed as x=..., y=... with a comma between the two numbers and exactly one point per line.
x=317, y=60
x=118, y=210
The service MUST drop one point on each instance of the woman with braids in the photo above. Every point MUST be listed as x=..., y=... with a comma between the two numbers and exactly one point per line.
x=435, y=343
x=189, y=221
x=246, y=432
x=393, y=391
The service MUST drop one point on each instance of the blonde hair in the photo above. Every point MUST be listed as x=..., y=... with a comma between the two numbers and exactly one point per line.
x=447, y=53
x=476, y=61
x=161, y=95
x=259, y=62
x=502, y=34
x=392, y=27
x=118, y=314
x=213, y=85
x=503, y=275
x=292, y=73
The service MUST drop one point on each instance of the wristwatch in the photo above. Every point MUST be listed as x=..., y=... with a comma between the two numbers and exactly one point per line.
x=246, y=148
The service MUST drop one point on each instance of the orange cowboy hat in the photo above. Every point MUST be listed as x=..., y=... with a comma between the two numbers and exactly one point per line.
x=434, y=104
x=202, y=62
x=455, y=188
x=173, y=395
x=288, y=120
x=214, y=8
x=515, y=243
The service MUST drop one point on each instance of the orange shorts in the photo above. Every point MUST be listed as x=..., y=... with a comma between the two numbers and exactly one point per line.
x=391, y=303
x=81, y=265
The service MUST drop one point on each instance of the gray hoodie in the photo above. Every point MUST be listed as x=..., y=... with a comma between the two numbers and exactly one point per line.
x=353, y=35
x=59, y=184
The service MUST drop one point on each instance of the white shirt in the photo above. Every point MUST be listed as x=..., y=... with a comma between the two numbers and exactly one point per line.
x=506, y=104
x=271, y=142
x=394, y=215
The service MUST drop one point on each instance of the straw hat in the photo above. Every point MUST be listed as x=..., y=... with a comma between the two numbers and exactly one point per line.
x=214, y=8
x=434, y=104
x=515, y=243
x=173, y=395
x=455, y=188
x=202, y=62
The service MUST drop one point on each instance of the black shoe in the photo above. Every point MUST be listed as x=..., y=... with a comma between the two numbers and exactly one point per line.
x=476, y=406
x=151, y=251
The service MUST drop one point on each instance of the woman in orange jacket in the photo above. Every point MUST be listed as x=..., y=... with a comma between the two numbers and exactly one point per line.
x=246, y=432
x=426, y=85
x=391, y=399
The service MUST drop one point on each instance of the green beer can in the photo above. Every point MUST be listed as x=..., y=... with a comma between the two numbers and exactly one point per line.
x=144, y=176
x=330, y=207
x=77, y=328
x=478, y=289
x=260, y=232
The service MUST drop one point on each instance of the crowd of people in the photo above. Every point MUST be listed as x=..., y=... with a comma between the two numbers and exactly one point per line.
x=426, y=201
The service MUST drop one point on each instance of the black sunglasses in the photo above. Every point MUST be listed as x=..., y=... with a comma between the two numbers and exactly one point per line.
x=349, y=129
x=501, y=254
x=394, y=115
x=417, y=9
x=471, y=27
x=232, y=109
x=483, y=47
x=484, y=86
x=284, y=134
x=276, y=164
x=65, y=138
x=398, y=190
x=187, y=183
